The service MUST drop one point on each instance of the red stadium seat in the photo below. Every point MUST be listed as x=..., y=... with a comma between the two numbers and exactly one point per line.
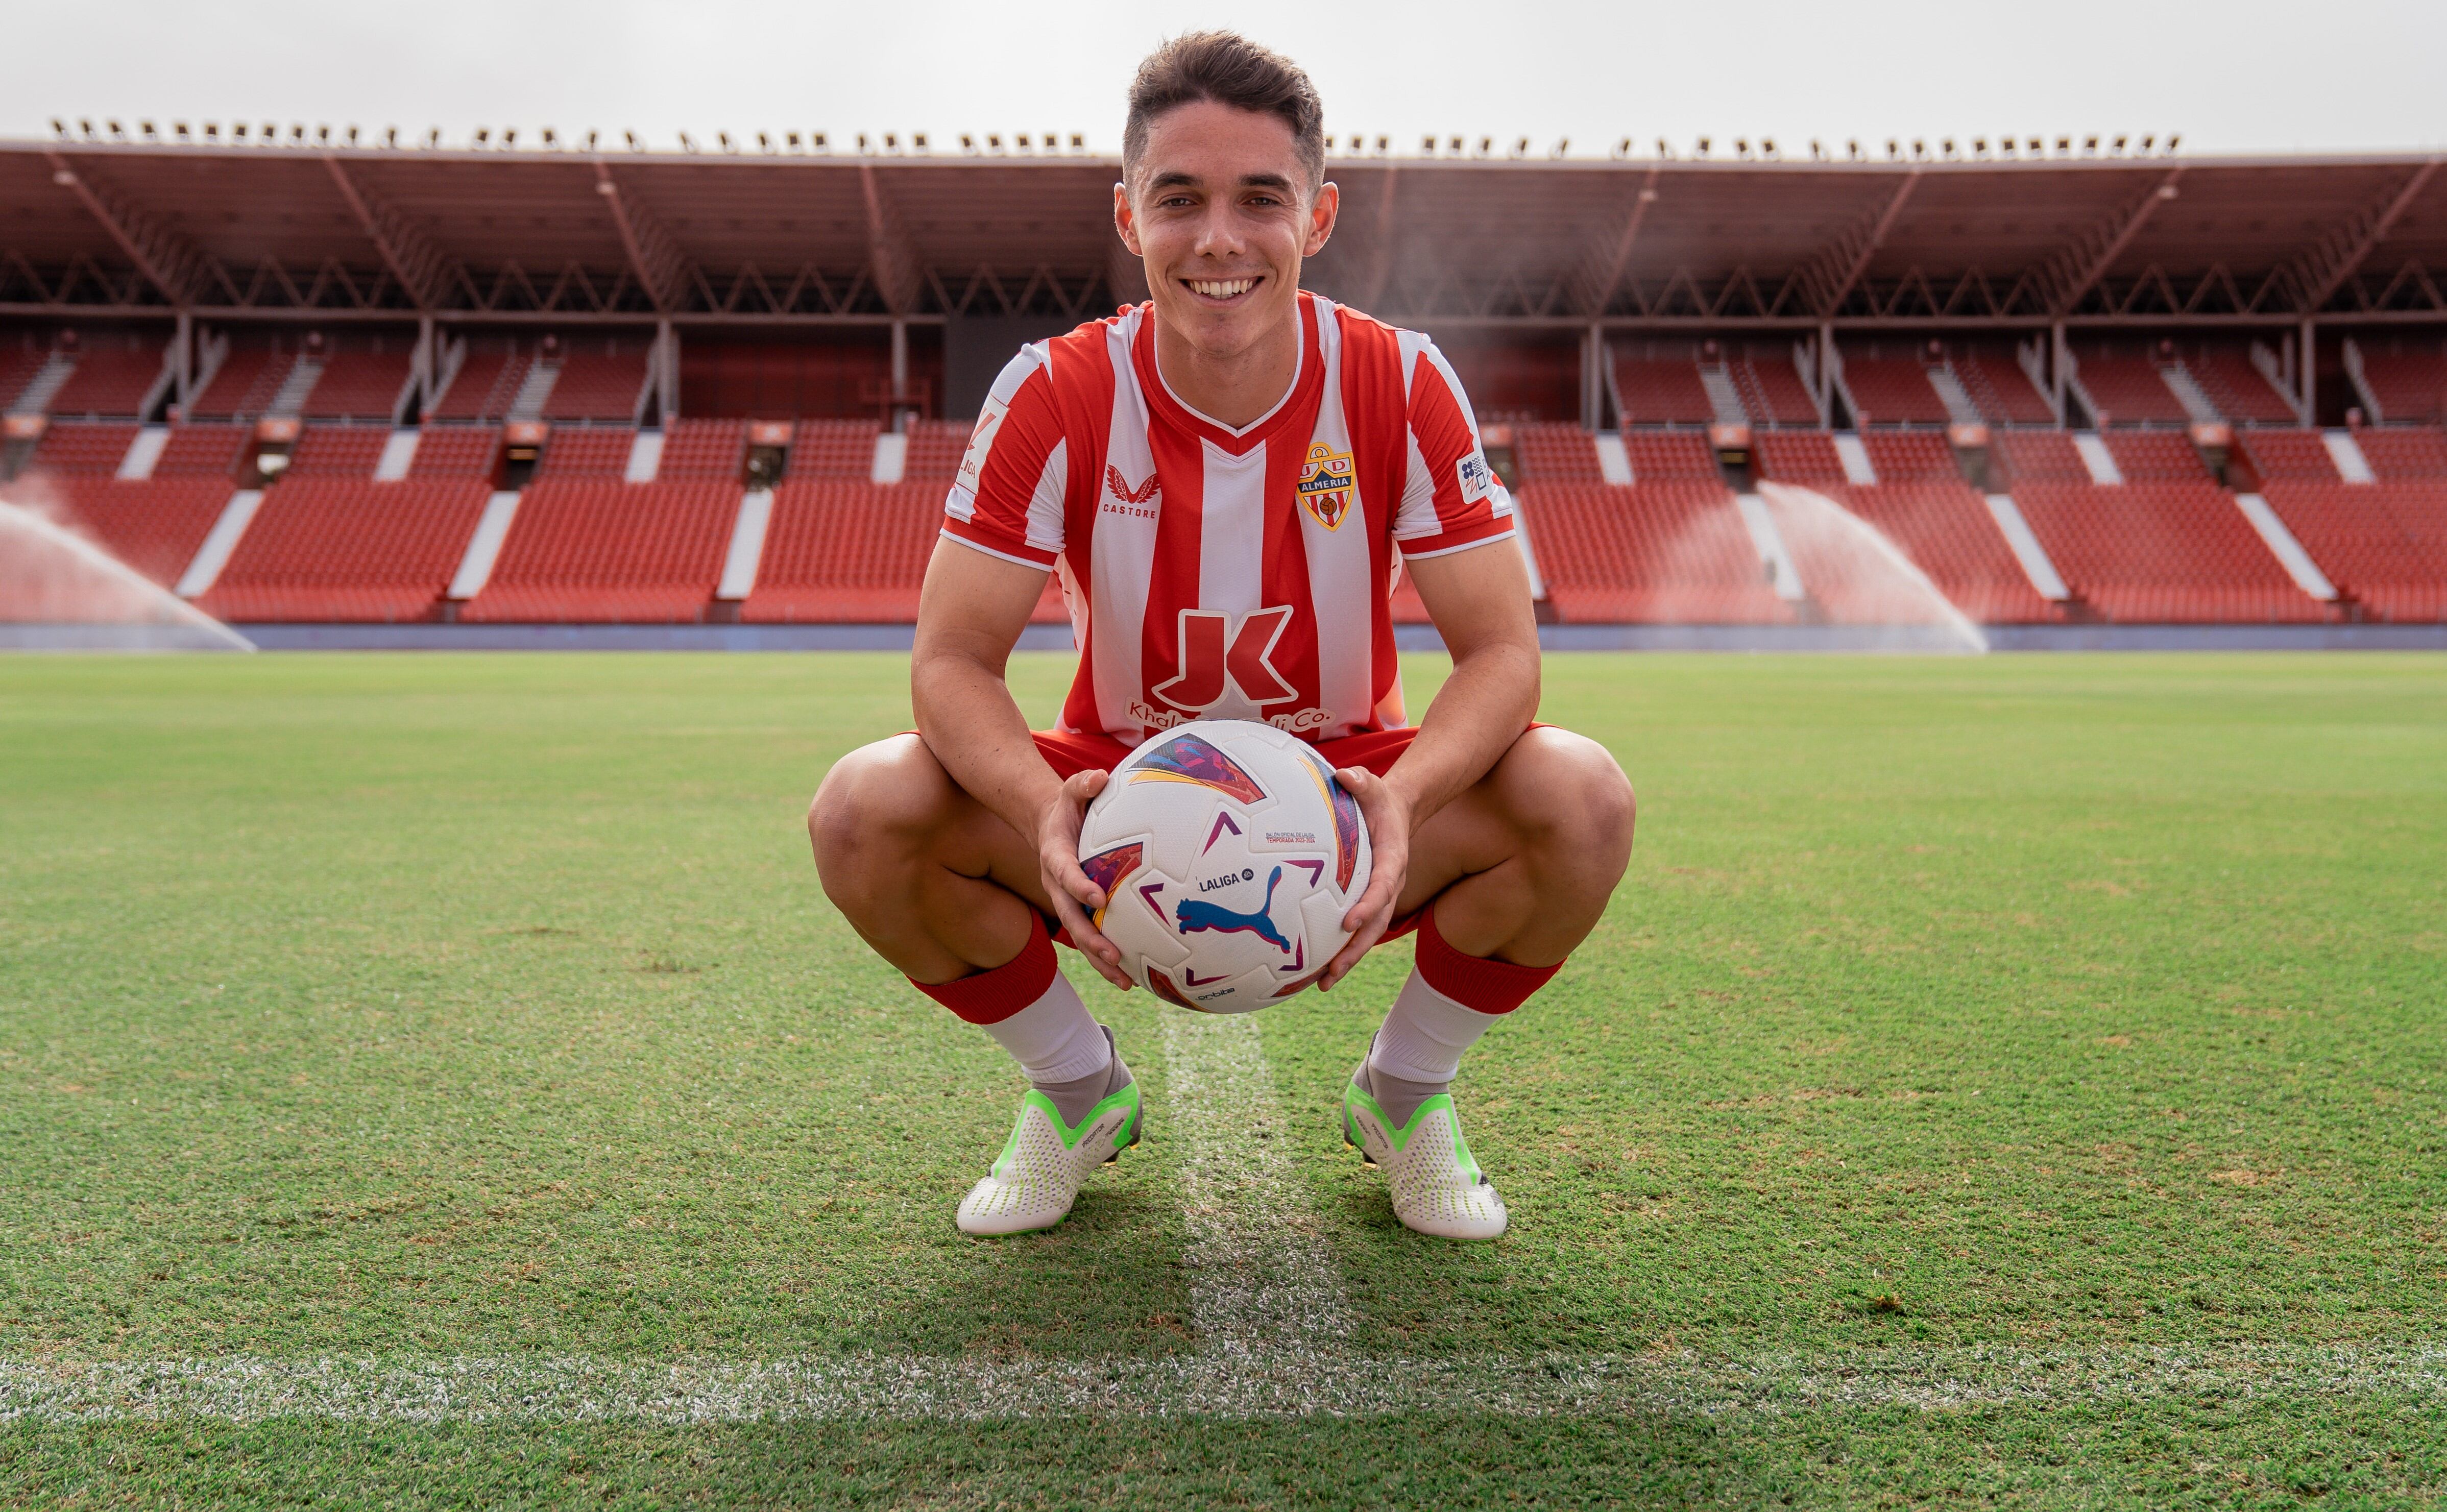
x=336, y=451
x=833, y=451
x=936, y=447
x=588, y=550
x=586, y=452
x=358, y=385
x=83, y=451
x=2163, y=552
x=2409, y=386
x=1662, y=392
x=109, y=382
x=486, y=383
x=705, y=450
x=2296, y=454
x=202, y=451
x=155, y=527
x=599, y=385
x=2002, y=391
x=1893, y=390
x=2239, y=391
x=1799, y=457
x=2394, y=453
x=2156, y=457
x=2129, y=391
x=345, y=549
x=845, y=553
x=1672, y=551
x=1772, y=390
x=2383, y=544
x=1548, y=452
x=457, y=451
x=245, y=383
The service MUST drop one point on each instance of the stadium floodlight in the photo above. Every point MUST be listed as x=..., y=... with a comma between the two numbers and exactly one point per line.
x=1078, y=141
x=1563, y=147
x=390, y=136
x=1664, y=148
x=1979, y=146
x=763, y=142
x=1704, y=147
x=433, y=136
x=724, y=137
x=968, y=142
x=631, y=138
x=861, y=144
x=297, y=133
x=917, y=142
x=1894, y=148
x=688, y=144
x=1945, y=146
x=509, y=135
x=1741, y=146
x=2090, y=146
x=892, y=142
x=117, y=132
x=59, y=128
x=212, y=131
x=1767, y=147
x=352, y=136
x=2172, y=138
x=1458, y=145
x=1521, y=148
x=2145, y=142
x=1486, y=145
x=238, y=131
x=1919, y=147
x=2064, y=147
x=323, y=134
x=483, y=135
x=818, y=141
x=1384, y=145
x=1817, y=150
x=86, y=127
x=551, y=137
x=790, y=138
x=146, y=127
x=2119, y=147
x=180, y=129
x=1853, y=148
x=591, y=136
x=1622, y=148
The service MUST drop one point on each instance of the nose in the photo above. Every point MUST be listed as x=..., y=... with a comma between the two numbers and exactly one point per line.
x=1219, y=233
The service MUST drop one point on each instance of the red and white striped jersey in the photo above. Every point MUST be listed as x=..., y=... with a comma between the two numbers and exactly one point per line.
x=1225, y=573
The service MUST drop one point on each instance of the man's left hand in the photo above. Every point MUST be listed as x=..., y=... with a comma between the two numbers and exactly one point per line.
x=1386, y=810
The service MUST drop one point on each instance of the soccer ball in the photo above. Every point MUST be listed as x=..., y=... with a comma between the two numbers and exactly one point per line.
x=1228, y=855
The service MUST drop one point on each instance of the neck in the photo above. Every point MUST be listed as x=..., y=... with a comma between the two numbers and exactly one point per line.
x=1231, y=388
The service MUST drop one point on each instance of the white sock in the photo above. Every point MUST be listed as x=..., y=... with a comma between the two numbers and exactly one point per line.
x=1425, y=1033
x=1055, y=1039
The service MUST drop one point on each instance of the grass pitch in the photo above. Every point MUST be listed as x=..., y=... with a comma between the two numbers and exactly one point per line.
x=2040, y=1027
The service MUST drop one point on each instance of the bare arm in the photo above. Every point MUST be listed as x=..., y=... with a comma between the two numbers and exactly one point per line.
x=970, y=615
x=1480, y=601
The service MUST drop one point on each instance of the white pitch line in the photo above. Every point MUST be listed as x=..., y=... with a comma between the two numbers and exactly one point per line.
x=1257, y=1384
x=1261, y=1281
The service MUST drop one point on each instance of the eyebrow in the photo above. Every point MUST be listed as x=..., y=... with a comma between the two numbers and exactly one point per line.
x=1178, y=179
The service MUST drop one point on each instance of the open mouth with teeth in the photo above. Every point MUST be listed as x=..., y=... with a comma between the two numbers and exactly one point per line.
x=1222, y=291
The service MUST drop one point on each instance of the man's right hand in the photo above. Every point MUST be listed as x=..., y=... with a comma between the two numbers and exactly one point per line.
x=1074, y=897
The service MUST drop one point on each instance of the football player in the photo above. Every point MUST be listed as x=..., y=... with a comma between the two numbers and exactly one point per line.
x=1228, y=479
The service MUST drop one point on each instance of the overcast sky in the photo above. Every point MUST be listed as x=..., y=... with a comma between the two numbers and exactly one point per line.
x=2250, y=76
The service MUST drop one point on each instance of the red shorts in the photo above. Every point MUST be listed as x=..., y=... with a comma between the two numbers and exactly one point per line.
x=1070, y=754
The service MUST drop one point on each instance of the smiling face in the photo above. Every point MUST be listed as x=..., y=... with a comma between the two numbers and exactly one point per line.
x=1219, y=206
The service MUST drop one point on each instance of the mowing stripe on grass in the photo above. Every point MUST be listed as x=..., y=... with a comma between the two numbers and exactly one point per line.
x=1262, y=1282
x=1259, y=1384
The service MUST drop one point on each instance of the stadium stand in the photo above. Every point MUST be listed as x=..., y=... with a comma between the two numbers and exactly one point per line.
x=336, y=451
x=704, y=449
x=2407, y=385
x=18, y=365
x=1920, y=503
x=72, y=449
x=2168, y=545
x=2383, y=544
x=2156, y=456
x=1661, y=393
x=1773, y=392
x=486, y=384
x=779, y=380
x=604, y=385
x=590, y=551
x=202, y=451
x=2239, y=389
x=1554, y=453
x=586, y=453
x=2297, y=455
x=1671, y=551
x=155, y=527
x=835, y=451
x=1894, y=391
x=2404, y=453
x=358, y=385
x=2130, y=391
x=348, y=549
x=845, y=553
x=109, y=383
x=244, y=384
x=457, y=451
x=1656, y=458
x=935, y=450
x=2003, y=390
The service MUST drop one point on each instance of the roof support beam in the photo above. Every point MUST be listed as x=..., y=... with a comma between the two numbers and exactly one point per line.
x=893, y=259
x=165, y=258
x=2324, y=267
x=411, y=255
x=1603, y=272
x=1838, y=269
x=660, y=268
x=1379, y=273
x=2081, y=270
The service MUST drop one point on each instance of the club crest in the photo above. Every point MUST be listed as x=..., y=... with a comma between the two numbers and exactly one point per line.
x=1325, y=485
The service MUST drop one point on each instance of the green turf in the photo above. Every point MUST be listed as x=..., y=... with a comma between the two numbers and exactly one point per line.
x=489, y=1006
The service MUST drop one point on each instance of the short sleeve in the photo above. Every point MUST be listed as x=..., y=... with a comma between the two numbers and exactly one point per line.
x=1452, y=500
x=1006, y=499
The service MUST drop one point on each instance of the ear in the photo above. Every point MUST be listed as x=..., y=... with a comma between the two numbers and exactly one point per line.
x=1321, y=213
x=1126, y=220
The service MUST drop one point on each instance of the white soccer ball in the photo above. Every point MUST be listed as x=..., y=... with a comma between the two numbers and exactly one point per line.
x=1228, y=855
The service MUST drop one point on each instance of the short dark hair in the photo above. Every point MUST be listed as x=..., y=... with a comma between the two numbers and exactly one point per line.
x=1230, y=70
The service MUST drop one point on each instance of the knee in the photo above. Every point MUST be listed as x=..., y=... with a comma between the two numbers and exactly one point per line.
x=870, y=813
x=1580, y=799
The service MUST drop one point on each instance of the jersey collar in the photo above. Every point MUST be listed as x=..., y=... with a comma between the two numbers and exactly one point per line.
x=1163, y=403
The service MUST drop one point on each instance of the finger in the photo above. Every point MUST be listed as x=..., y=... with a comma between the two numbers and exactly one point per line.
x=1378, y=898
x=1359, y=945
x=1070, y=877
x=1100, y=951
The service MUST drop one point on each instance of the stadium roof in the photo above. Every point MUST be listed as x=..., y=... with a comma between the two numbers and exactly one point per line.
x=768, y=239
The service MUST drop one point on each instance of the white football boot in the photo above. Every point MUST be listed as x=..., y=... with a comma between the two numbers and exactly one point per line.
x=1031, y=1183
x=1437, y=1186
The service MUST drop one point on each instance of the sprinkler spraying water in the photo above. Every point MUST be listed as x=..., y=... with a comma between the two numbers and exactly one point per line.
x=59, y=590
x=1857, y=576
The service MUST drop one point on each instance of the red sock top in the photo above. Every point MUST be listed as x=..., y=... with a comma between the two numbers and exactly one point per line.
x=1476, y=981
x=991, y=996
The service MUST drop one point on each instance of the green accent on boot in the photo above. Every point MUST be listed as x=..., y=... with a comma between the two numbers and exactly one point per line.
x=1071, y=1134
x=1353, y=1093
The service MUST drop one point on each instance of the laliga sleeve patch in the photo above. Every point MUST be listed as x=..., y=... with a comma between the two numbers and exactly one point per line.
x=973, y=462
x=1476, y=479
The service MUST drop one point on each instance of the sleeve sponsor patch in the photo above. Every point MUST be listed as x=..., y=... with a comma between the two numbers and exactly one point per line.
x=1477, y=480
